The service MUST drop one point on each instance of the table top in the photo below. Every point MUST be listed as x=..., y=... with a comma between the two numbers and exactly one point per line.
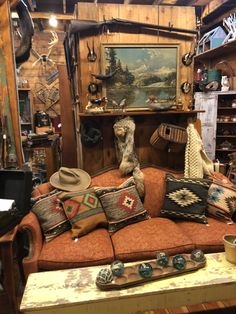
x=77, y=286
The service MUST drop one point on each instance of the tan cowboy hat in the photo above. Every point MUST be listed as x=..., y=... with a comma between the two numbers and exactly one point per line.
x=70, y=179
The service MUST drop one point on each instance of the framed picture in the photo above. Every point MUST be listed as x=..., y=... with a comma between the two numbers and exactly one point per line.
x=140, y=71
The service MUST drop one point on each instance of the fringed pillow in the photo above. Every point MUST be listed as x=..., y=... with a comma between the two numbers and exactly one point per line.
x=51, y=215
x=222, y=202
x=186, y=199
x=122, y=205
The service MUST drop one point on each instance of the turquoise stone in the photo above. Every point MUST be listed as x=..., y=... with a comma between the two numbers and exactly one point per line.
x=145, y=270
x=179, y=262
x=198, y=256
x=162, y=259
x=104, y=276
x=117, y=268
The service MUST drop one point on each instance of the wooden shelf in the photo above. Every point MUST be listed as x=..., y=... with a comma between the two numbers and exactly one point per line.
x=226, y=150
x=222, y=50
x=227, y=136
x=221, y=122
x=140, y=113
x=24, y=89
x=227, y=108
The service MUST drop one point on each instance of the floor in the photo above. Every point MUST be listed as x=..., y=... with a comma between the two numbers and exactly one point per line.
x=221, y=307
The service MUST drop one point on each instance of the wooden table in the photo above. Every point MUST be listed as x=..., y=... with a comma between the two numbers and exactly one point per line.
x=74, y=291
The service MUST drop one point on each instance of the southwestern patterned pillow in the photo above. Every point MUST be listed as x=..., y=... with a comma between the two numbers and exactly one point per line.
x=222, y=201
x=51, y=216
x=122, y=205
x=186, y=199
x=84, y=211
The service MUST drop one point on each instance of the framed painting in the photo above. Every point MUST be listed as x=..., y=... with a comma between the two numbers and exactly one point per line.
x=140, y=71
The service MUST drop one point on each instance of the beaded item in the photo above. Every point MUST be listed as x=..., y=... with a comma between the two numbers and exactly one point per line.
x=145, y=270
x=104, y=276
x=117, y=268
x=162, y=259
x=179, y=262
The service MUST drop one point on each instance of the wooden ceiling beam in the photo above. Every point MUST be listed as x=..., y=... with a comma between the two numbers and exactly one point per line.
x=157, y=2
x=212, y=6
x=44, y=15
x=195, y=3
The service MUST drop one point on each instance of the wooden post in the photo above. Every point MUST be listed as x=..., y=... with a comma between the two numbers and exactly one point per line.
x=6, y=45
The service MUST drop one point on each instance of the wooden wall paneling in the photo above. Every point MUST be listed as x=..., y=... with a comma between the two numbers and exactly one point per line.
x=68, y=132
x=172, y=16
x=103, y=154
x=87, y=12
x=93, y=156
x=6, y=46
x=38, y=73
x=108, y=153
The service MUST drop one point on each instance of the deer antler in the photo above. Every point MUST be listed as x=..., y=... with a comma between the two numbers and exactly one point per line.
x=53, y=42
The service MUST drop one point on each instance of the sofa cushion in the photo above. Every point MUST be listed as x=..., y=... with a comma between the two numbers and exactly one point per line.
x=185, y=198
x=51, y=216
x=154, y=181
x=221, y=201
x=122, y=205
x=84, y=211
x=144, y=239
x=95, y=248
x=208, y=238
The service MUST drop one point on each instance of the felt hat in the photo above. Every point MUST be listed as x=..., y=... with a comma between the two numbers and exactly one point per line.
x=70, y=179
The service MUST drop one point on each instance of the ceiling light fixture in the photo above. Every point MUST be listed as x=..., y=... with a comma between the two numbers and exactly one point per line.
x=53, y=21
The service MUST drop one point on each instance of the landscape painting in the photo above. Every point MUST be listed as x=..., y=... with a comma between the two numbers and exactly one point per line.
x=138, y=72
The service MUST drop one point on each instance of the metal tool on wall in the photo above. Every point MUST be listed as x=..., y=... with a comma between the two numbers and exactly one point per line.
x=91, y=56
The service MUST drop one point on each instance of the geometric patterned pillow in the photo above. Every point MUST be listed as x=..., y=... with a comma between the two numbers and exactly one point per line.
x=185, y=198
x=51, y=216
x=122, y=205
x=221, y=201
x=84, y=211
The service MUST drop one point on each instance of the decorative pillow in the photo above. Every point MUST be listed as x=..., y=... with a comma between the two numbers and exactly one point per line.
x=34, y=200
x=51, y=216
x=222, y=201
x=84, y=211
x=122, y=205
x=185, y=198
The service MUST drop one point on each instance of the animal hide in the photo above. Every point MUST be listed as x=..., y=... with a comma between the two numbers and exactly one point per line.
x=125, y=151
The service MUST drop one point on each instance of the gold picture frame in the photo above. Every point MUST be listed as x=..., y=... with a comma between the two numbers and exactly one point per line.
x=141, y=70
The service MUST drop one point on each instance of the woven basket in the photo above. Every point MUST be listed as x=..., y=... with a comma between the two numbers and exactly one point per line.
x=169, y=135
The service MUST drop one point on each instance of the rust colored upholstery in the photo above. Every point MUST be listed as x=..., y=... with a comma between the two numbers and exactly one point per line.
x=42, y=189
x=31, y=227
x=62, y=252
x=144, y=239
x=134, y=242
x=208, y=238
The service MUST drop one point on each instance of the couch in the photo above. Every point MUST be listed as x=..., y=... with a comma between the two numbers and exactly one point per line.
x=139, y=241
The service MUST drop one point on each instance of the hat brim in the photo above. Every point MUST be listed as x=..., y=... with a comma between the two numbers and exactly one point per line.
x=84, y=184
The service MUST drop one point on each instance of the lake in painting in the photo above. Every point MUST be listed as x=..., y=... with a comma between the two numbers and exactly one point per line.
x=141, y=71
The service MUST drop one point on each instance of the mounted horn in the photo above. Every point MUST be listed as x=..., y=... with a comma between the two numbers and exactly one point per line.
x=22, y=53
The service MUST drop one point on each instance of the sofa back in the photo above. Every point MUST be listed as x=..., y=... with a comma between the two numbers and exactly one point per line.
x=154, y=180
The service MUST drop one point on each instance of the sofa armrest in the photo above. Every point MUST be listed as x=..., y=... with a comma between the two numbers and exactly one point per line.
x=30, y=225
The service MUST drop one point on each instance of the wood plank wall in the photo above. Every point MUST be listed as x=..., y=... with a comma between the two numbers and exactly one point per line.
x=181, y=17
x=38, y=73
x=102, y=155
